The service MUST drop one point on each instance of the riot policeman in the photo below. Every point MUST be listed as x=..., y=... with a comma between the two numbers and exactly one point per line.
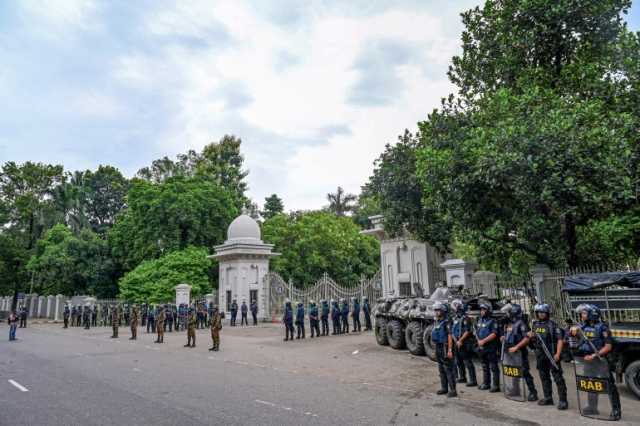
x=335, y=317
x=441, y=337
x=462, y=333
x=356, y=315
x=345, y=316
x=487, y=335
x=300, y=321
x=548, y=339
x=314, y=322
x=590, y=342
x=287, y=320
x=515, y=340
x=324, y=316
x=65, y=316
x=366, y=309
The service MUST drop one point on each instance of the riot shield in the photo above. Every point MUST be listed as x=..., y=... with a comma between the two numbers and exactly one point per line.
x=593, y=382
x=515, y=387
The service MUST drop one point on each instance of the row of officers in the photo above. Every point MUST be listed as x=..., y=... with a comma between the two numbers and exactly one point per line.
x=100, y=315
x=339, y=313
x=457, y=338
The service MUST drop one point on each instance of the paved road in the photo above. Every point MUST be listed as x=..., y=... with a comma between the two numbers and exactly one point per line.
x=78, y=377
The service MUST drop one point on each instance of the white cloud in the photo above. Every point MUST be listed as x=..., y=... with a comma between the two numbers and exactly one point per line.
x=54, y=20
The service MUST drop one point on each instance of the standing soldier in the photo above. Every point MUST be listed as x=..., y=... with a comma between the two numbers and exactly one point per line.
x=65, y=316
x=356, y=315
x=244, y=311
x=94, y=316
x=216, y=326
x=114, y=320
x=441, y=336
x=487, y=336
x=234, y=312
x=516, y=339
x=168, y=319
x=314, y=322
x=345, y=316
x=74, y=312
x=300, y=320
x=462, y=333
x=151, y=320
x=254, y=312
x=86, y=317
x=127, y=315
x=191, y=329
x=160, y=325
x=134, y=323
x=335, y=317
x=324, y=316
x=548, y=340
x=287, y=319
x=366, y=308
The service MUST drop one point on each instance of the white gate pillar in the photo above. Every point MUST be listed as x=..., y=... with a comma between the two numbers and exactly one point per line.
x=538, y=273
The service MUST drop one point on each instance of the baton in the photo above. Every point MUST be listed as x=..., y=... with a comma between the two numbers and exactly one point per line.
x=547, y=353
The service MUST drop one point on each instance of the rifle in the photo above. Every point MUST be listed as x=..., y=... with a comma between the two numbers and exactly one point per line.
x=578, y=330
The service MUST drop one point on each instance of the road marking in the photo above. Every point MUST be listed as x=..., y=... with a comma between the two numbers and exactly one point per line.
x=18, y=385
x=136, y=369
x=355, y=352
x=271, y=404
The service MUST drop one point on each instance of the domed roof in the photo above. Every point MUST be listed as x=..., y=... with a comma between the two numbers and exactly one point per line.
x=243, y=228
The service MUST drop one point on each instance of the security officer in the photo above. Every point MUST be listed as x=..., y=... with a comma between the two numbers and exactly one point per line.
x=356, y=315
x=74, y=315
x=335, y=317
x=160, y=325
x=94, y=316
x=287, y=319
x=441, y=337
x=134, y=323
x=516, y=339
x=216, y=326
x=191, y=329
x=168, y=320
x=592, y=333
x=300, y=320
x=23, y=317
x=546, y=332
x=366, y=308
x=234, y=312
x=487, y=336
x=345, y=316
x=314, y=322
x=324, y=317
x=151, y=320
x=462, y=333
x=244, y=311
x=65, y=316
x=254, y=311
x=114, y=321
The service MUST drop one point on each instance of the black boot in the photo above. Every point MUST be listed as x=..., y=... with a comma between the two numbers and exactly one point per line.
x=546, y=401
x=563, y=404
x=442, y=392
x=484, y=386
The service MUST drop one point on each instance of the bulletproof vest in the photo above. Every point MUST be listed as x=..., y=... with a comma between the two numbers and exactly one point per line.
x=513, y=333
x=486, y=326
x=439, y=333
x=594, y=334
x=546, y=330
x=325, y=310
x=457, y=324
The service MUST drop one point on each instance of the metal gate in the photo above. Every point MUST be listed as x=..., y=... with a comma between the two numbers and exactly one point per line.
x=325, y=288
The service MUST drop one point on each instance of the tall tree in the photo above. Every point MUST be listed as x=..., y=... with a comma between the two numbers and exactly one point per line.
x=273, y=205
x=106, y=189
x=340, y=203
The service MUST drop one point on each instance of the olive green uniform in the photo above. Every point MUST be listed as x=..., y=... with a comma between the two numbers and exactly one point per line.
x=191, y=331
x=134, y=323
x=216, y=326
x=114, y=321
x=160, y=326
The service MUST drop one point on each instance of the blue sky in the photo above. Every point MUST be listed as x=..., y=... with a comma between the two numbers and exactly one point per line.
x=315, y=89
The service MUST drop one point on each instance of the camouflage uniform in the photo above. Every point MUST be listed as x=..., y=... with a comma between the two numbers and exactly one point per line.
x=134, y=323
x=191, y=330
x=160, y=326
x=114, y=321
x=216, y=326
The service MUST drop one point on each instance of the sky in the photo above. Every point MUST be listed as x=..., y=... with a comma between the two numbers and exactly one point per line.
x=315, y=89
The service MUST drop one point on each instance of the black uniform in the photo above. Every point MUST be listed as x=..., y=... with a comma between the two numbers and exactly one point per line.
x=461, y=324
x=514, y=332
x=548, y=333
x=446, y=368
x=489, y=354
x=325, y=318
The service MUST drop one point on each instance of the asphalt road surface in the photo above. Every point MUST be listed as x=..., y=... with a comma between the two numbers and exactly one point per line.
x=52, y=376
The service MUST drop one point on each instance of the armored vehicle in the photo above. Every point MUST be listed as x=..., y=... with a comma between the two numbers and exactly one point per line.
x=617, y=295
x=406, y=322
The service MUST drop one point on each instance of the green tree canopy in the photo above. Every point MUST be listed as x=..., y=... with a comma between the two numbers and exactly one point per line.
x=273, y=205
x=341, y=203
x=154, y=280
x=172, y=215
x=313, y=243
x=64, y=263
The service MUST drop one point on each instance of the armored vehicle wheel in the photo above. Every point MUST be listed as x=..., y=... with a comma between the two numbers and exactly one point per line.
x=414, y=338
x=381, y=332
x=395, y=334
x=429, y=347
x=632, y=377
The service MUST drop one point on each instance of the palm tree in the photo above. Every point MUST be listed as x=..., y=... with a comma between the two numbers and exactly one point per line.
x=340, y=203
